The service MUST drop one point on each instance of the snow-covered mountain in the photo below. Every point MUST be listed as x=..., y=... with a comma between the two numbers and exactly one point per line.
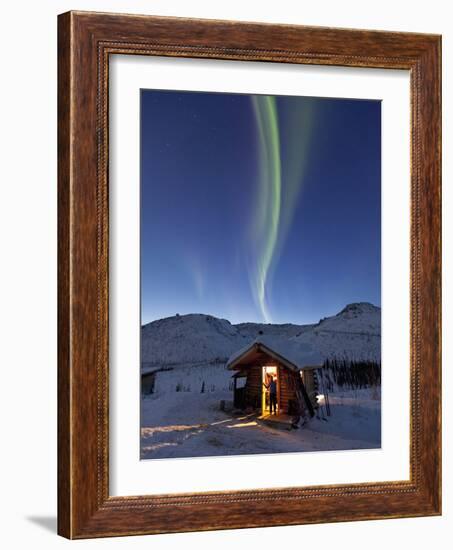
x=356, y=318
x=188, y=339
x=198, y=339
x=354, y=333
x=253, y=330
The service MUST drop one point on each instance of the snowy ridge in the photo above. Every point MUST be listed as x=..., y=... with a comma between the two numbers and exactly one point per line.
x=198, y=339
x=360, y=318
x=354, y=334
x=188, y=339
x=251, y=330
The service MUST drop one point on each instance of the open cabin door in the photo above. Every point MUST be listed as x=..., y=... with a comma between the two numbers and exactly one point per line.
x=267, y=372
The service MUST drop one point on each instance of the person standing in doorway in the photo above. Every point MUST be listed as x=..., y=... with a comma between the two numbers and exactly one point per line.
x=272, y=387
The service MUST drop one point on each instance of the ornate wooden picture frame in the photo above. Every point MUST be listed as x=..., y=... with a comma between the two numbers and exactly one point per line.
x=85, y=507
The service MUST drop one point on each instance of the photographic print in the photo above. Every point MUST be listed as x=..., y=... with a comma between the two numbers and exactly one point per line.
x=260, y=274
x=219, y=260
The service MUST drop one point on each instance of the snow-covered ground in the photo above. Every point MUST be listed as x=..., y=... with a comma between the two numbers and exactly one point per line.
x=188, y=423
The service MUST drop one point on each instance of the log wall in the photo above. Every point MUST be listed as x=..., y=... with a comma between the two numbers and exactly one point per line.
x=254, y=385
x=287, y=385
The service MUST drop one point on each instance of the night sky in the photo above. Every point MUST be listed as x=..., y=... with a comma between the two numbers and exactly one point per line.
x=258, y=208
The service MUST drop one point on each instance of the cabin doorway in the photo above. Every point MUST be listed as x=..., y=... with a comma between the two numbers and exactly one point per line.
x=269, y=372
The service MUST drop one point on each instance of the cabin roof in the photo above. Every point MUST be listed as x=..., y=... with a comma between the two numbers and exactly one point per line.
x=296, y=356
x=147, y=370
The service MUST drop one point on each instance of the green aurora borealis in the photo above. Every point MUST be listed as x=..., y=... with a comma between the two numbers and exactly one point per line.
x=258, y=208
x=279, y=189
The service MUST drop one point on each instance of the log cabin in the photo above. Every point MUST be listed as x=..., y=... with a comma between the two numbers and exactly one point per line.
x=293, y=368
